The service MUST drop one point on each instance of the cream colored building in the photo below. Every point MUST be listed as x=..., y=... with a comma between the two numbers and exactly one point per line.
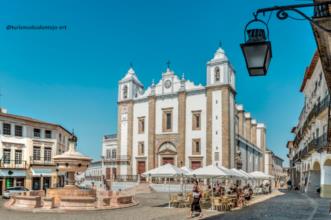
x=310, y=162
x=274, y=167
x=177, y=121
x=26, y=149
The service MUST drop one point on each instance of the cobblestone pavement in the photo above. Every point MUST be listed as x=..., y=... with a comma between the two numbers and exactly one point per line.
x=152, y=206
x=291, y=206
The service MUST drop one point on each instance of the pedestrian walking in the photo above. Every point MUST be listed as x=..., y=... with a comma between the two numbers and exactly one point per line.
x=195, y=206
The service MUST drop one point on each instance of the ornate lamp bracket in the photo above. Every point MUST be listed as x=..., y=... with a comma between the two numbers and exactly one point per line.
x=321, y=10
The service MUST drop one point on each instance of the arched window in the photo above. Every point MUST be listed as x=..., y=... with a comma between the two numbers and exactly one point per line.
x=217, y=74
x=125, y=92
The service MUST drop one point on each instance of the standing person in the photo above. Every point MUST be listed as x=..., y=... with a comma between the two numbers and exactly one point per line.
x=195, y=206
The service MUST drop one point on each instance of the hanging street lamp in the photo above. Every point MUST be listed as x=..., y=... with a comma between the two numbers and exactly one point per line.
x=257, y=46
x=257, y=49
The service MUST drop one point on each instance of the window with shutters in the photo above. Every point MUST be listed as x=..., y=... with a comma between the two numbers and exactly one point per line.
x=6, y=128
x=18, y=130
x=141, y=125
x=141, y=148
x=6, y=156
x=196, y=148
x=48, y=154
x=196, y=120
x=18, y=156
x=36, y=153
x=167, y=120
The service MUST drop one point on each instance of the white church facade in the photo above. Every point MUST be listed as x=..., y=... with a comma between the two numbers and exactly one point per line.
x=176, y=121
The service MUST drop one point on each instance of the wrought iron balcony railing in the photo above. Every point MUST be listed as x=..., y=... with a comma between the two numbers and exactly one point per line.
x=116, y=159
x=46, y=161
x=315, y=145
x=13, y=164
x=314, y=112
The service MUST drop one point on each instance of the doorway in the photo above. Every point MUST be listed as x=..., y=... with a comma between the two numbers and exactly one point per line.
x=195, y=165
x=47, y=183
x=36, y=183
x=108, y=173
x=141, y=168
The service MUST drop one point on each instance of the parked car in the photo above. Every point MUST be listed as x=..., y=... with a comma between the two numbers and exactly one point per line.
x=12, y=190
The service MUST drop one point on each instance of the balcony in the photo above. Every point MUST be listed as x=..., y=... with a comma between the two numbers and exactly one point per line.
x=41, y=161
x=120, y=159
x=315, y=145
x=13, y=164
x=315, y=111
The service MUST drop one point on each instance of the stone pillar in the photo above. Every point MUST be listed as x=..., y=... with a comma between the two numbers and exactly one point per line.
x=28, y=179
x=42, y=182
x=248, y=126
x=181, y=128
x=253, y=132
x=240, y=113
x=151, y=133
x=130, y=136
x=118, y=149
x=325, y=181
x=209, y=147
x=226, y=142
x=262, y=144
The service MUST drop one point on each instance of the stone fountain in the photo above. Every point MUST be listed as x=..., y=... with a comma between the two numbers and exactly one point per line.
x=71, y=162
x=70, y=197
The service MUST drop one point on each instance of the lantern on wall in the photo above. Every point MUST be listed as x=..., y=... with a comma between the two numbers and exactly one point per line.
x=257, y=49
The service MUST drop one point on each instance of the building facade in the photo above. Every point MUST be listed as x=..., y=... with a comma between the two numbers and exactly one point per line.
x=251, y=141
x=310, y=163
x=274, y=167
x=176, y=121
x=26, y=149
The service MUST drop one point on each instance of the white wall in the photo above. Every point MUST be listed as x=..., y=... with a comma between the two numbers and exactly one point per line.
x=195, y=102
x=140, y=109
x=166, y=102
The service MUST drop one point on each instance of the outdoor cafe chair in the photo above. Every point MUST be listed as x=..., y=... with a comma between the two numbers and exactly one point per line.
x=173, y=200
x=217, y=203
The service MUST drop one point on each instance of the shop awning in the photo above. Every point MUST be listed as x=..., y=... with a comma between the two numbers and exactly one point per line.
x=41, y=172
x=12, y=173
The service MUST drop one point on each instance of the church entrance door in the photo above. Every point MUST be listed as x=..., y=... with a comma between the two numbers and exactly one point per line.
x=195, y=165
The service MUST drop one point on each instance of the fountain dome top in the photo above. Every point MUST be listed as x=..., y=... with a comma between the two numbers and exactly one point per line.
x=72, y=153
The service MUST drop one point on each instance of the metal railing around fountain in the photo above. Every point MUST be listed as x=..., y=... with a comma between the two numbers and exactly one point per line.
x=126, y=178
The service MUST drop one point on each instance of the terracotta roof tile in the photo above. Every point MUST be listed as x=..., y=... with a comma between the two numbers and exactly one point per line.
x=310, y=70
x=28, y=119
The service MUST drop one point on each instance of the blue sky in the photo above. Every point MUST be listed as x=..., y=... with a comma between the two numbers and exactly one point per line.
x=70, y=77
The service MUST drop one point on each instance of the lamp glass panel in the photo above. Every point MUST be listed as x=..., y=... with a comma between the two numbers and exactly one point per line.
x=255, y=55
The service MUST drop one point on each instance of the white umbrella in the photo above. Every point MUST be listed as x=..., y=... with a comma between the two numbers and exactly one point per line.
x=246, y=174
x=186, y=170
x=210, y=171
x=260, y=175
x=167, y=170
x=240, y=174
x=230, y=172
